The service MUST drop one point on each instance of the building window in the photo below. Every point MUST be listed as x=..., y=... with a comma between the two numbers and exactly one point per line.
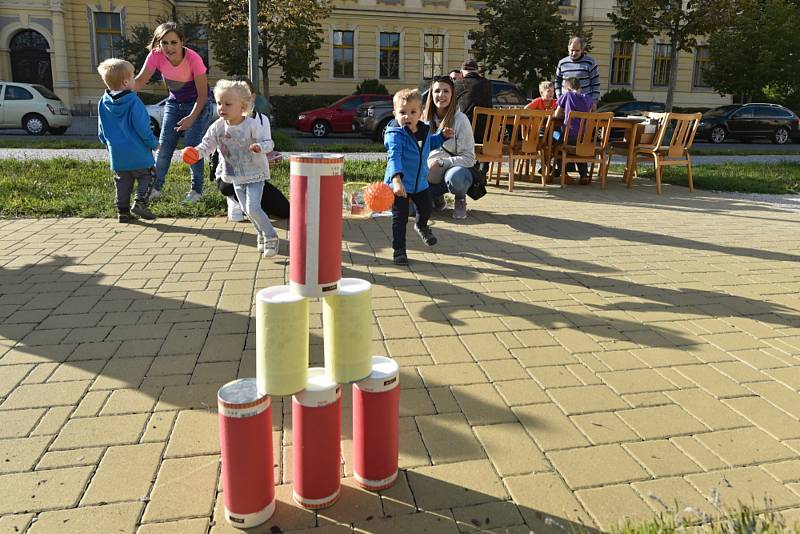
x=108, y=32
x=701, y=63
x=621, y=61
x=390, y=55
x=342, y=54
x=433, y=59
x=661, y=64
x=197, y=39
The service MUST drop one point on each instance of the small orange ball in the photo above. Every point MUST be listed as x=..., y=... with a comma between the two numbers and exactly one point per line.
x=378, y=196
x=190, y=155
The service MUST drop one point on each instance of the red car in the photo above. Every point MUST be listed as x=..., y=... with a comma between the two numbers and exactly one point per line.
x=336, y=118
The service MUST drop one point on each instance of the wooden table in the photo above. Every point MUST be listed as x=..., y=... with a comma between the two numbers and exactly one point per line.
x=633, y=127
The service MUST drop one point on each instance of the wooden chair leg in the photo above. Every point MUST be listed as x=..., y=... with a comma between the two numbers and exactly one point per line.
x=563, y=169
x=510, y=173
x=658, y=175
x=689, y=172
x=591, y=171
x=603, y=172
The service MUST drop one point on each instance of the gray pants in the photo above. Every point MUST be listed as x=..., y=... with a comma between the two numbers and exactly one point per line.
x=123, y=182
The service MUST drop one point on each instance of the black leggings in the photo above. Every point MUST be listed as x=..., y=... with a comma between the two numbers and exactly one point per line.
x=272, y=201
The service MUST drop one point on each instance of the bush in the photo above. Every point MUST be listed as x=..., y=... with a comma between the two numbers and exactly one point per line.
x=371, y=87
x=616, y=95
x=287, y=107
x=283, y=143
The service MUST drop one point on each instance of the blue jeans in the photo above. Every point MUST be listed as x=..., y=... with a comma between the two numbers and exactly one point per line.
x=249, y=196
x=173, y=112
x=457, y=180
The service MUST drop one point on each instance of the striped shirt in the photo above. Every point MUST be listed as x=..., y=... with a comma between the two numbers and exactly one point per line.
x=585, y=69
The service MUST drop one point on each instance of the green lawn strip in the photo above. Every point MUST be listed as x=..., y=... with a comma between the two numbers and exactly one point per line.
x=774, y=178
x=344, y=148
x=283, y=142
x=64, y=187
x=742, y=519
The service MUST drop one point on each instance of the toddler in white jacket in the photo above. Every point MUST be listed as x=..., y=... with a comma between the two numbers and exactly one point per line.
x=243, y=143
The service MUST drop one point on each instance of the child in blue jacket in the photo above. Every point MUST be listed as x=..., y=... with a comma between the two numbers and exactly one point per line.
x=408, y=143
x=123, y=125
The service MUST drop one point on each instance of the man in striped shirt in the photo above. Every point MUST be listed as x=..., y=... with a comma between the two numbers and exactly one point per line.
x=581, y=66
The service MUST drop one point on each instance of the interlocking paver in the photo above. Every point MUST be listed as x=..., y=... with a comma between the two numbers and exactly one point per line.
x=544, y=498
x=125, y=474
x=746, y=484
x=119, y=517
x=598, y=465
x=456, y=484
x=662, y=458
x=745, y=446
x=43, y=490
x=661, y=421
x=185, y=487
x=511, y=450
x=549, y=427
x=97, y=431
x=612, y=506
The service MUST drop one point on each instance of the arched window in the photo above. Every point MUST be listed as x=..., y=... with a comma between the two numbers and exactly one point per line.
x=30, y=60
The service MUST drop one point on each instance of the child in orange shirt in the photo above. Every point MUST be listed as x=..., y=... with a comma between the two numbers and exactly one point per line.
x=546, y=102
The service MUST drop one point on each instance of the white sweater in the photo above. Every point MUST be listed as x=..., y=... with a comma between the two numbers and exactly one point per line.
x=238, y=165
x=462, y=144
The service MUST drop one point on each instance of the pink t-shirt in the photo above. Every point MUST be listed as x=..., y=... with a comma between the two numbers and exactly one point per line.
x=180, y=79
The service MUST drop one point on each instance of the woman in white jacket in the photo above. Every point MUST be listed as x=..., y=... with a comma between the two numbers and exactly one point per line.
x=449, y=165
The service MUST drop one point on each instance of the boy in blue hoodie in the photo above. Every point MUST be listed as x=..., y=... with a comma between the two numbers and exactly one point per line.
x=123, y=125
x=408, y=143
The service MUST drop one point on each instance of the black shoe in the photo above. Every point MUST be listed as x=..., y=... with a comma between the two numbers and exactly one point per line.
x=427, y=235
x=124, y=217
x=141, y=211
x=401, y=259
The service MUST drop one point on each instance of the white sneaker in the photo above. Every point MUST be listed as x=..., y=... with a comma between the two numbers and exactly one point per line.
x=192, y=197
x=155, y=194
x=271, y=245
x=235, y=213
x=260, y=242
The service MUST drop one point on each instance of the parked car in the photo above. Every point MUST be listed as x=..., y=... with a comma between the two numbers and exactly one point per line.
x=749, y=121
x=631, y=107
x=337, y=117
x=371, y=118
x=156, y=112
x=33, y=107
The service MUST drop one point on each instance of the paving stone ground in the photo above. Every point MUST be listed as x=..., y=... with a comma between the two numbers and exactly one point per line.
x=568, y=357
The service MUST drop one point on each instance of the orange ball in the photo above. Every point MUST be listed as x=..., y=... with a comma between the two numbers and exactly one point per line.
x=190, y=155
x=378, y=196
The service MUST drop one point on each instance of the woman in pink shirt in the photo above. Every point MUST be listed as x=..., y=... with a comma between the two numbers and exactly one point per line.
x=188, y=108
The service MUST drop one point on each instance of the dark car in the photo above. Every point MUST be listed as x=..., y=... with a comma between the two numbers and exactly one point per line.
x=631, y=107
x=749, y=121
x=371, y=118
x=337, y=118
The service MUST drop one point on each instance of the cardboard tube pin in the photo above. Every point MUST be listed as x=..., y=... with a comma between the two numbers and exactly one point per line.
x=347, y=331
x=281, y=341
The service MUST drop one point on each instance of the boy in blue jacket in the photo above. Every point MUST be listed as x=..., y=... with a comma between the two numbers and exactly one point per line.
x=123, y=125
x=408, y=143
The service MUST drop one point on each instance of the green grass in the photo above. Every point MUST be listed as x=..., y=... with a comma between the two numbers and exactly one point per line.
x=345, y=148
x=71, y=188
x=44, y=142
x=775, y=178
x=283, y=142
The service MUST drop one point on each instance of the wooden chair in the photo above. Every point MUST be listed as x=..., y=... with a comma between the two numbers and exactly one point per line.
x=491, y=150
x=590, y=143
x=530, y=145
x=663, y=152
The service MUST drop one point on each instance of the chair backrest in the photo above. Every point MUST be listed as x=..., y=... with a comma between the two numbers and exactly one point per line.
x=493, y=132
x=593, y=132
x=683, y=127
x=528, y=124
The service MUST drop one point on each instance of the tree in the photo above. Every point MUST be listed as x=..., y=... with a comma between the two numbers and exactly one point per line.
x=525, y=39
x=765, y=58
x=289, y=37
x=373, y=86
x=681, y=21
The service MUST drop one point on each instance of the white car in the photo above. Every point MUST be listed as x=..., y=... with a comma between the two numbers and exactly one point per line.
x=156, y=112
x=33, y=107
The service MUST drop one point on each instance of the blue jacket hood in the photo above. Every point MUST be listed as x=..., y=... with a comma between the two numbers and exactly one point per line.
x=123, y=125
x=404, y=156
